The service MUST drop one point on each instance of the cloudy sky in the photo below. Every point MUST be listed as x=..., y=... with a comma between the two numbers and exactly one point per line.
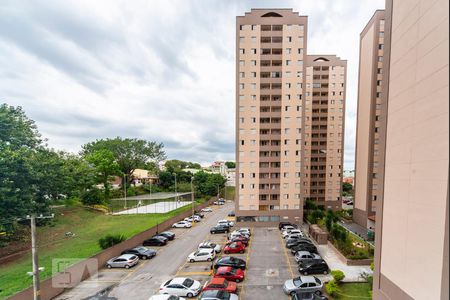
x=161, y=70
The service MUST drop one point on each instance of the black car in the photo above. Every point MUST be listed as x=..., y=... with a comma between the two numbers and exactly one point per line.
x=282, y=224
x=307, y=296
x=294, y=238
x=231, y=214
x=141, y=252
x=313, y=267
x=219, y=229
x=168, y=235
x=230, y=261
x=304, y=247
x=294, y=242
x=199, y=214
x=155, y=241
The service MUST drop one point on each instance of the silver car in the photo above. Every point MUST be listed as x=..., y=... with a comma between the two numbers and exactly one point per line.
x=124, y=261
x=303, y=283
x=306, y=256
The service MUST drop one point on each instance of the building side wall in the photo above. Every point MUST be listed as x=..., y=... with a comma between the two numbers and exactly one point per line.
x=416, y=162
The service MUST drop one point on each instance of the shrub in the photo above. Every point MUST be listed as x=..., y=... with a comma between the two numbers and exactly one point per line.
x=71, y=201
x=332, y=288
x=338, y=275
x=111, y=240
x=131, y=191
x=93, y=196
x=372, y=266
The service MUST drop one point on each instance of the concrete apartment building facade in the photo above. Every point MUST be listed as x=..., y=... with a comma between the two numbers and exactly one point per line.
x=323, y=132
x=369, y=154
x=411, y=241
x=271, y=75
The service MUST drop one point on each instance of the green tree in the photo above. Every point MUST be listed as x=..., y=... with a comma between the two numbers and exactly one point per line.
x=105, y=166
x=16, y=130
x=230, y=164
x=208, y=184
x=130, y=154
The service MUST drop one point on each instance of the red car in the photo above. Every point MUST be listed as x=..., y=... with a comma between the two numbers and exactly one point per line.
x=241, y=239
x=221, y=284
x=230, y=274
x=234, y=247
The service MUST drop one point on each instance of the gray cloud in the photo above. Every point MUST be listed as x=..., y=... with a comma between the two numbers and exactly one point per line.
x=159, y=70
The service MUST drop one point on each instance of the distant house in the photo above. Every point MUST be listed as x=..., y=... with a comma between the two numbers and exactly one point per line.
x=141, y=176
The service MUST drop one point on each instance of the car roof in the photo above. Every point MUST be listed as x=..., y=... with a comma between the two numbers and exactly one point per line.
x=126, y=256
x=303, y=253
x=217, y=280
x=307, y=279
x=224, y=269
x=178, y=280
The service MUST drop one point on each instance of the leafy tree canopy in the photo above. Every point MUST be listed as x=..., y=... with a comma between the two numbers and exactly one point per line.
x=230, y=164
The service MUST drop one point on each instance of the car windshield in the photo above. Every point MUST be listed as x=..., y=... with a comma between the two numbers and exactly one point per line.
x=318, y=281
x=141, y=249
x=188, y=282
x=297, y=281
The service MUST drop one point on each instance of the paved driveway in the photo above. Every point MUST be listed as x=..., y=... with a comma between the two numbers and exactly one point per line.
x=144, y=280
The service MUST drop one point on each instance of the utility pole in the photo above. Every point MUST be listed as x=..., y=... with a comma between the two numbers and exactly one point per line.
x=34, y=254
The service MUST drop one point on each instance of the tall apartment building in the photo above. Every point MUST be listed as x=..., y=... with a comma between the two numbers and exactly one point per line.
x=271, y=86
x=369, y=154
x=323, y=132
x=412, y=227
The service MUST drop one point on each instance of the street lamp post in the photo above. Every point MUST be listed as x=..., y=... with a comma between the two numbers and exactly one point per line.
x=192, y=199
x=176, y=193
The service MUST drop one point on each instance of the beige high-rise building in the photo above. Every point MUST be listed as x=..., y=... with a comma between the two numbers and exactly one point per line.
x=323, y=132
x=369, y=154
x=411, y=240
x=271, y=86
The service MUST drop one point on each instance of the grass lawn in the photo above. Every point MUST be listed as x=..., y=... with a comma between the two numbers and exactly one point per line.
x=353, y=291
x=88, y=227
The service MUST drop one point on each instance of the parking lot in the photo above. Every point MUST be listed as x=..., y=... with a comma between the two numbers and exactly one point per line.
x=269, y=265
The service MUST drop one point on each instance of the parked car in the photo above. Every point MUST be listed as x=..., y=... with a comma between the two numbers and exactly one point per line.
x=141, y=252
x=313, y=267
x=305, y=256
x=166, y=297
x=167, y=234
x=294, y=238
x=230, y=261
x=210, y=245
x=202, y=255
x=231, y=214
x=225, y=222
x=230, y=274
x=181, y=286
x=234, y=247
x=155, y=241
x=219, y=229
x=182, y=224
x=238, y=234
x=193, y=218
x=304, y=247
x=294, y=242
x=245, y=231
x=284, y=225
x=161, y=237
x=291, y=231
x=218, y=295
x=206, y=209
x=307, y=296
x=220, y=284
x=199, y=214
x=241, y=239
x=219, y=202
x=123, y=261
x=304, y=284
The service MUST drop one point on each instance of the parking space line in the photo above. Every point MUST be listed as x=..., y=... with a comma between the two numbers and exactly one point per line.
x=195, y=273
x=287, y=257
x=249, y=248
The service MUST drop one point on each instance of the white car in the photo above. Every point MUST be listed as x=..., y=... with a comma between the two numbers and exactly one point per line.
x=207, y=209
x=181, y=286
x=226, y=223
x=193, y=219
x=210, y=245
x=166, y=297
x=202, y=255
x=245, y=231
x=292, y=231
x=182, y=224
x=238, y=233
x=288, y=228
